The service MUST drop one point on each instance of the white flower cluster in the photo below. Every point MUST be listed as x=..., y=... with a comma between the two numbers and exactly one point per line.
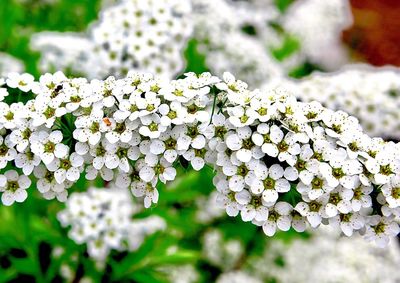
x=327, y=258
x=141, y=35
x=9, y=64
x=102, y=219
x=220, y=252
x=279, y=162
x=70, y=52
x=237, y=277
x=322, y=23
x=218, y=29
x=371, y=94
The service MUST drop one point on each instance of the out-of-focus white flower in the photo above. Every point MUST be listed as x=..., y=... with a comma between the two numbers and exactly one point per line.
x=102, y=219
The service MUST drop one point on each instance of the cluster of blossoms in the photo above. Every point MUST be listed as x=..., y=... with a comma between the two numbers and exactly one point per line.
x=9, y=64
x=102, y=219
x=222, y=253
x=237, y=276
x=327, y=257
x=370, y=94
x=218, y=29
x=319, y=34
x=141, y=35
x=279, y=163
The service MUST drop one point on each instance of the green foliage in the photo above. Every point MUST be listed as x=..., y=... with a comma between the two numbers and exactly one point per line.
x=21, y=19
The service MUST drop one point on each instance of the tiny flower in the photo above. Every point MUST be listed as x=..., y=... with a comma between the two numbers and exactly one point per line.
x=13, y=187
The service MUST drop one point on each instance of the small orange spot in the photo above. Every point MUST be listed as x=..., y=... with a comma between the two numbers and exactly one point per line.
x=107, y=121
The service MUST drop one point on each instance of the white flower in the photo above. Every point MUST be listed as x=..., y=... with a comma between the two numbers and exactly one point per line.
x=226, y=198
x=68, y=168
x=318, y=186
x=167, y=145
x=121, y=131
x=117, y=155
x=7, y=152
x=269, y=183
x=361, y=197
x=24, y=81
x=20, y=136
x=47, y=183
x=13, y=187
x=348, y=223
x=146, y=190
x=155, y=167
x=391, y=191
x=280, y=145
x=152, y=127
x=27, y=161
x=242, y=144
x=279, y=217
x=240, y=174
x=339, y=200
x=253, y=206
x=48, y=145
x=12, y=116
x=313, y=211
x=380, y=228
x=190, y=136
x=305, y=168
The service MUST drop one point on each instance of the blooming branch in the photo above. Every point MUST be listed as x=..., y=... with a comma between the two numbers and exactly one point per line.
x=279, y=162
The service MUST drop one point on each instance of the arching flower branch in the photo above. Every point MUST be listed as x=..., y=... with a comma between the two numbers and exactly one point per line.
x=279, y=163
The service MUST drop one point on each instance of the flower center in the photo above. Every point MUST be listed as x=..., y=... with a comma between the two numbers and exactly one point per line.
x=269, y=184
x=100, y=151
x=49, y=147
x=220, y=131
x=283, y=146
x=262, y=111
x=317, y=183
x=159, y=169
x=49, y=112
x=386, y=170
x=170, y=143
x=242, y=170
x=120, y=128
x=153, y=126
x=3, y=150
x=337, y=173
x=200, y=152
x=244, y=119
x=247, y=144
x=12, y=186
x=65, y=164
x=379, y=228
x=300, y=165
x=396, y=192
x=335, y=198
x=172, y=114
x=122, y=152
x=9, y=116
x=192, y=132
x=256, y=201
x=315, y=206
x=26, y=134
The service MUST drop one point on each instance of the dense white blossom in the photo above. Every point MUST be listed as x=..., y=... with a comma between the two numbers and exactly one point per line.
x=369, y=93
x=102, y=219
x=142, y=35
x=327, y=257
x=279, y=163
x=320, y=34
x=9, y=64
